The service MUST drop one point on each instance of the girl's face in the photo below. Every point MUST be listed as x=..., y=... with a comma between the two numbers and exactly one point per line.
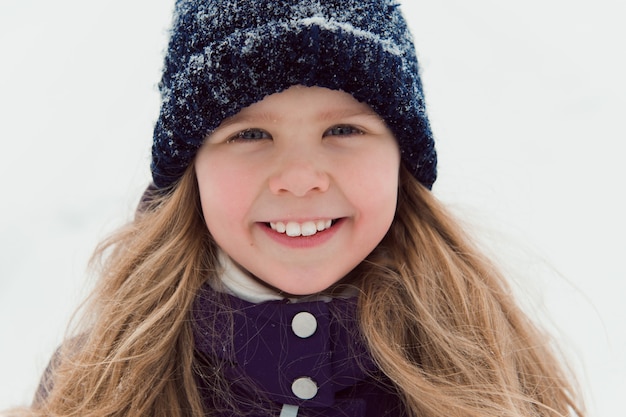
x=300, y=187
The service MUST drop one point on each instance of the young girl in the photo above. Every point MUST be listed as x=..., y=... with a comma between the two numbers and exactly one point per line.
x=289, y=258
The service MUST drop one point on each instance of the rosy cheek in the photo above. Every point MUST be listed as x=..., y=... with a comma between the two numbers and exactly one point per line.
x=225, y=204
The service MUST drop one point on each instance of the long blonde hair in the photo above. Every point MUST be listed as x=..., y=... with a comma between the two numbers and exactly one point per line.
x=458, y=346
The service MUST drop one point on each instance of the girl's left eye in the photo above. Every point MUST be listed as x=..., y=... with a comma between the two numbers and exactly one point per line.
x=249, y=135
x=343, y=130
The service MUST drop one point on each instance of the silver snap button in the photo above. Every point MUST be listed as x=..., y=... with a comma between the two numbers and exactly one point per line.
x=304, y=324
x=304, y=388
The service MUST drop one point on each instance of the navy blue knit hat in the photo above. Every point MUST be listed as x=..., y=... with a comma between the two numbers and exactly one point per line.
x=226, y=55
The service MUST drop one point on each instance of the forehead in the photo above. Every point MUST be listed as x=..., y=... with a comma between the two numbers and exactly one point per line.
x=316, y=103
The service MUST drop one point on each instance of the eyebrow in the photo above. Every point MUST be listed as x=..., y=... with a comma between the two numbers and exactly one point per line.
x=249, y=118
x=326, y=115
x=346, y=113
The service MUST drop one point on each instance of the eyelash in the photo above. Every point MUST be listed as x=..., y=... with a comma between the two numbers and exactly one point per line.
x=253, y=135
x=344, y=130
x=259, y=134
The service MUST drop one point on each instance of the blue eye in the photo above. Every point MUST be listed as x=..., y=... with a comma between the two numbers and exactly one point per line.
x=250, y=135
x=343, y=130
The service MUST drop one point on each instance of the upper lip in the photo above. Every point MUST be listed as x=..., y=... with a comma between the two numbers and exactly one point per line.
x=301, y=219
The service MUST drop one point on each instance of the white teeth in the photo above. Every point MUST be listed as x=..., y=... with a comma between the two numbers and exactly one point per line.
x=294, y=229
x=308, y=229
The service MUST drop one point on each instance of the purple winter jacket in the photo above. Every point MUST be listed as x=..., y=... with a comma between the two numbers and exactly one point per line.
x=308, y=356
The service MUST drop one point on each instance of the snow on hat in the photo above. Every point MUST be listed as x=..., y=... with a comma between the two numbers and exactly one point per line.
x=226, y=55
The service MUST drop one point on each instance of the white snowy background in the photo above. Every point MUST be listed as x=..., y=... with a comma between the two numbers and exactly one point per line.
x=527, y=101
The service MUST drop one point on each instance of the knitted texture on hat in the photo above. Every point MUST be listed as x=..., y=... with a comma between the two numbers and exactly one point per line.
x=226, y=55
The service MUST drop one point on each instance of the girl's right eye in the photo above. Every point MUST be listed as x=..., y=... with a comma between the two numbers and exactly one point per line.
x=249, y=135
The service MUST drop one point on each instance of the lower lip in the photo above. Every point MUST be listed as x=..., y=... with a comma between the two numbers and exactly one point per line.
x=303, y=242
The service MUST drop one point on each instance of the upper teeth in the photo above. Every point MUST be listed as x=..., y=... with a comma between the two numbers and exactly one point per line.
x=294, y=229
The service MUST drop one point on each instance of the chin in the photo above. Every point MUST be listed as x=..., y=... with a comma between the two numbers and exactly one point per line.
x=305, y=288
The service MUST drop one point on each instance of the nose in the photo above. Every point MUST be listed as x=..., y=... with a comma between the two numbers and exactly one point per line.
x=299, y=176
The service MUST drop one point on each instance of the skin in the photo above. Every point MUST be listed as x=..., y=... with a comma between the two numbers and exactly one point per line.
x=307, y=154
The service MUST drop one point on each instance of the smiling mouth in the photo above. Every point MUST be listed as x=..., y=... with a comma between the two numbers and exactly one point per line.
x=308, y=228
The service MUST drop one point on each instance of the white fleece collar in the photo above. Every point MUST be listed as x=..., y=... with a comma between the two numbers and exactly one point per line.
x=237, y=282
